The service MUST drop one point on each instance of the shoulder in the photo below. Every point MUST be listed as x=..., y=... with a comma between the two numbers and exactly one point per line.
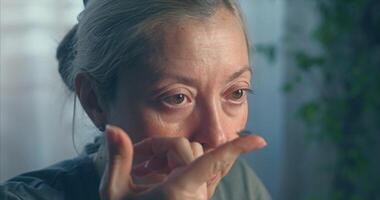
x=241, y=183
x=71, y=179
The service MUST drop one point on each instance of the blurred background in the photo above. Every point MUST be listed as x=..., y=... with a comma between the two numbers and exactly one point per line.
x=316, y=81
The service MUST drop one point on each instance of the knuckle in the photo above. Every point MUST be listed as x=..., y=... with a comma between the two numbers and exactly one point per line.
x=222, y=167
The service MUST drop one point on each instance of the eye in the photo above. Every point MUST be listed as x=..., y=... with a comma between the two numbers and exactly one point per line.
x=175, y=100
x=238, y=96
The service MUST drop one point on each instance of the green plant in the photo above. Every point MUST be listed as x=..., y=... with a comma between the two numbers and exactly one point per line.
x=347, y=112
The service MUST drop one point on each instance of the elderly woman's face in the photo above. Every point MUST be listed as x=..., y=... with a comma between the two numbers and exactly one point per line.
x=196, y=88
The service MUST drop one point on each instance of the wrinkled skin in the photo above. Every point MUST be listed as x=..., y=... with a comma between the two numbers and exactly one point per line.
x=175, y=132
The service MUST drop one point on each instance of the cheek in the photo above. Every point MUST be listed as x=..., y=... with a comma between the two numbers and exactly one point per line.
x=236, y=122
x=133, y=118
x=144, y=122
x=151, y=123
x=125, y=119
x=244, y=116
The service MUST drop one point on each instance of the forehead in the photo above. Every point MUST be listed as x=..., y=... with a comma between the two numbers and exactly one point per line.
x=218, y=38
x=197, y=48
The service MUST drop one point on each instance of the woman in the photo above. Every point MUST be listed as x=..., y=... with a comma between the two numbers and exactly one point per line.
x=172, y=77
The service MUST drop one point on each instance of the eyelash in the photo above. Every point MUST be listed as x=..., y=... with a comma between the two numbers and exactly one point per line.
x=241, y=98
x=180, y=96
x=178, y=99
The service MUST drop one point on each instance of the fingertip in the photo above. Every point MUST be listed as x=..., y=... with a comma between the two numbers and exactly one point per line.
x=118, y=141
x=252, y=142
x=112, y=139
x=113, y=129
x=112, y=133
x=108, y=127
x=116, y=132
x=260, y=142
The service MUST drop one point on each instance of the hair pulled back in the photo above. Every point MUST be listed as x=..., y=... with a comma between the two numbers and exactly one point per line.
x=113, y=34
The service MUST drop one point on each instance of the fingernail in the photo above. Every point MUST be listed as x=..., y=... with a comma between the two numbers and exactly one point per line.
x=110, y=133
x=108, y=127
x=112, y=139
x=253, y=143
x=262, y=143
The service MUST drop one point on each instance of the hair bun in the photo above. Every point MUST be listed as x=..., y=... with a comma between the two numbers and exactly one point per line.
x=65, y=55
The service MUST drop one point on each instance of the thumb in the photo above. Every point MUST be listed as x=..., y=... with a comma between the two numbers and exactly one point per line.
x=116, y=180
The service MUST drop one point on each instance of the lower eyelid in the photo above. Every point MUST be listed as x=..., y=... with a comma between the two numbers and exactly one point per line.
x=174, y=106
x=245, y=90
x=241, y=100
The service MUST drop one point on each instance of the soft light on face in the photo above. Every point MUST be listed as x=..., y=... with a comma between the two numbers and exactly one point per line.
x=198, y=88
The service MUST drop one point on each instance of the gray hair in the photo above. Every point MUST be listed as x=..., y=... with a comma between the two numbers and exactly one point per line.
x=112, y=34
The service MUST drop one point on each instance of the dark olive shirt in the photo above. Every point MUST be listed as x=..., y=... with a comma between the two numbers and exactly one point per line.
x=77, y=179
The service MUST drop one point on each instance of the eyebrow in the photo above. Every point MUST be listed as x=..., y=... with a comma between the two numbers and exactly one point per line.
x=239, y=73
x=192, y=82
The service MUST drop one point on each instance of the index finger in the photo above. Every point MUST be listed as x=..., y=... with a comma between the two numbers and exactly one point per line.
x=218, y=161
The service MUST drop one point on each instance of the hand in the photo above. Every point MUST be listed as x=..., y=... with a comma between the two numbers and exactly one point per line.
x=157, y=157
x=192, y=175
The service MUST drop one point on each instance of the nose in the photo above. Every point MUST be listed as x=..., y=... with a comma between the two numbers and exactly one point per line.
x=211, y=131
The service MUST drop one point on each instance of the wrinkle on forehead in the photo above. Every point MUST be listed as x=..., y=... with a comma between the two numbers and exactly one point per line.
x=202, y=37
x=199, y=47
